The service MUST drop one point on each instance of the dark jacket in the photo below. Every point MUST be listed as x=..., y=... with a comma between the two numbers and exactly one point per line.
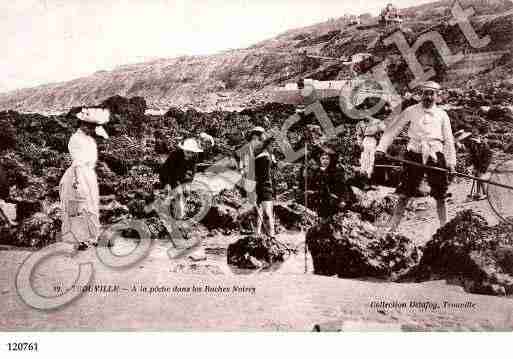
x=263, y=174
x=177, y=170
x=4, y=184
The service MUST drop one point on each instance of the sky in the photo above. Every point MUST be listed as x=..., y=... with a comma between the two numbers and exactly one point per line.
x=58, y=40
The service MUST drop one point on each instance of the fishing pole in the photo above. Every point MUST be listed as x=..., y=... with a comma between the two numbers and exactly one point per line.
x=459, y=174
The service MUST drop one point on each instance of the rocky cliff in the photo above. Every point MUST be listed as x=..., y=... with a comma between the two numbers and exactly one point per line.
x=245, y=77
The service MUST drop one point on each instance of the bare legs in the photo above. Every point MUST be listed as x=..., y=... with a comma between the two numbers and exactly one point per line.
x=179, y=204
x=441, y=209
x=398, y=215
x=265, y=210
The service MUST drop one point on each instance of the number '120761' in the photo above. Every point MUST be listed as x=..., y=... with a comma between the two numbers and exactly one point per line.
x=22, y=347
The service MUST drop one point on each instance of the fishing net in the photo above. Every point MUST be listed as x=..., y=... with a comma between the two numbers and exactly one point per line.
x=499, y=197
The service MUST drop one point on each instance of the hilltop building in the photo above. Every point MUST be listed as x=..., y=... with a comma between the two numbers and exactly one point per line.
x=390, y=16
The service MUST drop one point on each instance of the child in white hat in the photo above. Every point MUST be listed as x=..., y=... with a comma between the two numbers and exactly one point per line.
x=178, y=172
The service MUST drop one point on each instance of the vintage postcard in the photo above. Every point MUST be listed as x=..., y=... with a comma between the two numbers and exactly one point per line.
x=256, y=166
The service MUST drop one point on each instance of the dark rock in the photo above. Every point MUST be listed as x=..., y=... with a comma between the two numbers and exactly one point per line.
x=7, y=233
x=500, y=114
x=247, y=217
x=136, y=208
x=176, y=113
x=8, y=134
x=221, y=217
x=113, y=212
x=38, y=231
x=469, y=252
x=157, y=228
x=294, y=216
x=350, y=248
x=374, y=205
x=17, y=171
x=107, y=180
x=231, y=198
x=25, y=209
x=36, y=189
x=254, y=252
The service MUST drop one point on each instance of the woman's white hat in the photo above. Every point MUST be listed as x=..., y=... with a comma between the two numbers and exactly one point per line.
x=98, y=116
x=191, y=145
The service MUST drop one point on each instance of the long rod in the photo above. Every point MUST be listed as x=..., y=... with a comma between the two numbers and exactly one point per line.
x=447, y=171
x=306, y=201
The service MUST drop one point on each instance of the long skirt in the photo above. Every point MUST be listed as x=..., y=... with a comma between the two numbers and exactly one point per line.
x=368, y=155
x=81, y=213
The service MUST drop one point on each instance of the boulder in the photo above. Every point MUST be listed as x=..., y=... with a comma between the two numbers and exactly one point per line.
x=293, y=216
x=374, y=205
x=247, y=217
x=107, y=180
x=500, y=113
x=231, y=198
x=470, y=253
x=18, y=172
x=221, y=217
x=351, y=248
x=136, y=208
x=289, y=215
x=157, y=228
x=38, y=231
x=256, y=252
x=113, y=212
x=25, y=209
x=7, y=233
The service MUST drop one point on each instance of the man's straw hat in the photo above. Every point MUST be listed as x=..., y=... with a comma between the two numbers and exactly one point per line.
x=430, y=85
x=191, y=145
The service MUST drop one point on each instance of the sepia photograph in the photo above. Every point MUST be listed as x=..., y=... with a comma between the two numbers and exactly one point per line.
x=256, y=166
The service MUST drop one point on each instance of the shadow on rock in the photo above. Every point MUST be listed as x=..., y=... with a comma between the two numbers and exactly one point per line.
x=254, y=252
x=468, y=252
x=348, y=247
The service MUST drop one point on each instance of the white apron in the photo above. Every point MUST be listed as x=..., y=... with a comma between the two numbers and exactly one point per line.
x=367, y=132
x=81, y=214
x=368, y=155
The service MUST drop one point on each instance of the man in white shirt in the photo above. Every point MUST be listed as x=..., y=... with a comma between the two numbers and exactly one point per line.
x=431, y=143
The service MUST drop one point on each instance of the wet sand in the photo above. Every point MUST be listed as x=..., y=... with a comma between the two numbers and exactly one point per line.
x=284, y=299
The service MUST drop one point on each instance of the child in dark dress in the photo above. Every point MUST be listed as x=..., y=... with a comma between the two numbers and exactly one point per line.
x=325, y=186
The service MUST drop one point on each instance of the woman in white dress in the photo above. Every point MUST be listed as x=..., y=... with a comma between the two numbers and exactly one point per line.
x=367, y=132
x=79, y=191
